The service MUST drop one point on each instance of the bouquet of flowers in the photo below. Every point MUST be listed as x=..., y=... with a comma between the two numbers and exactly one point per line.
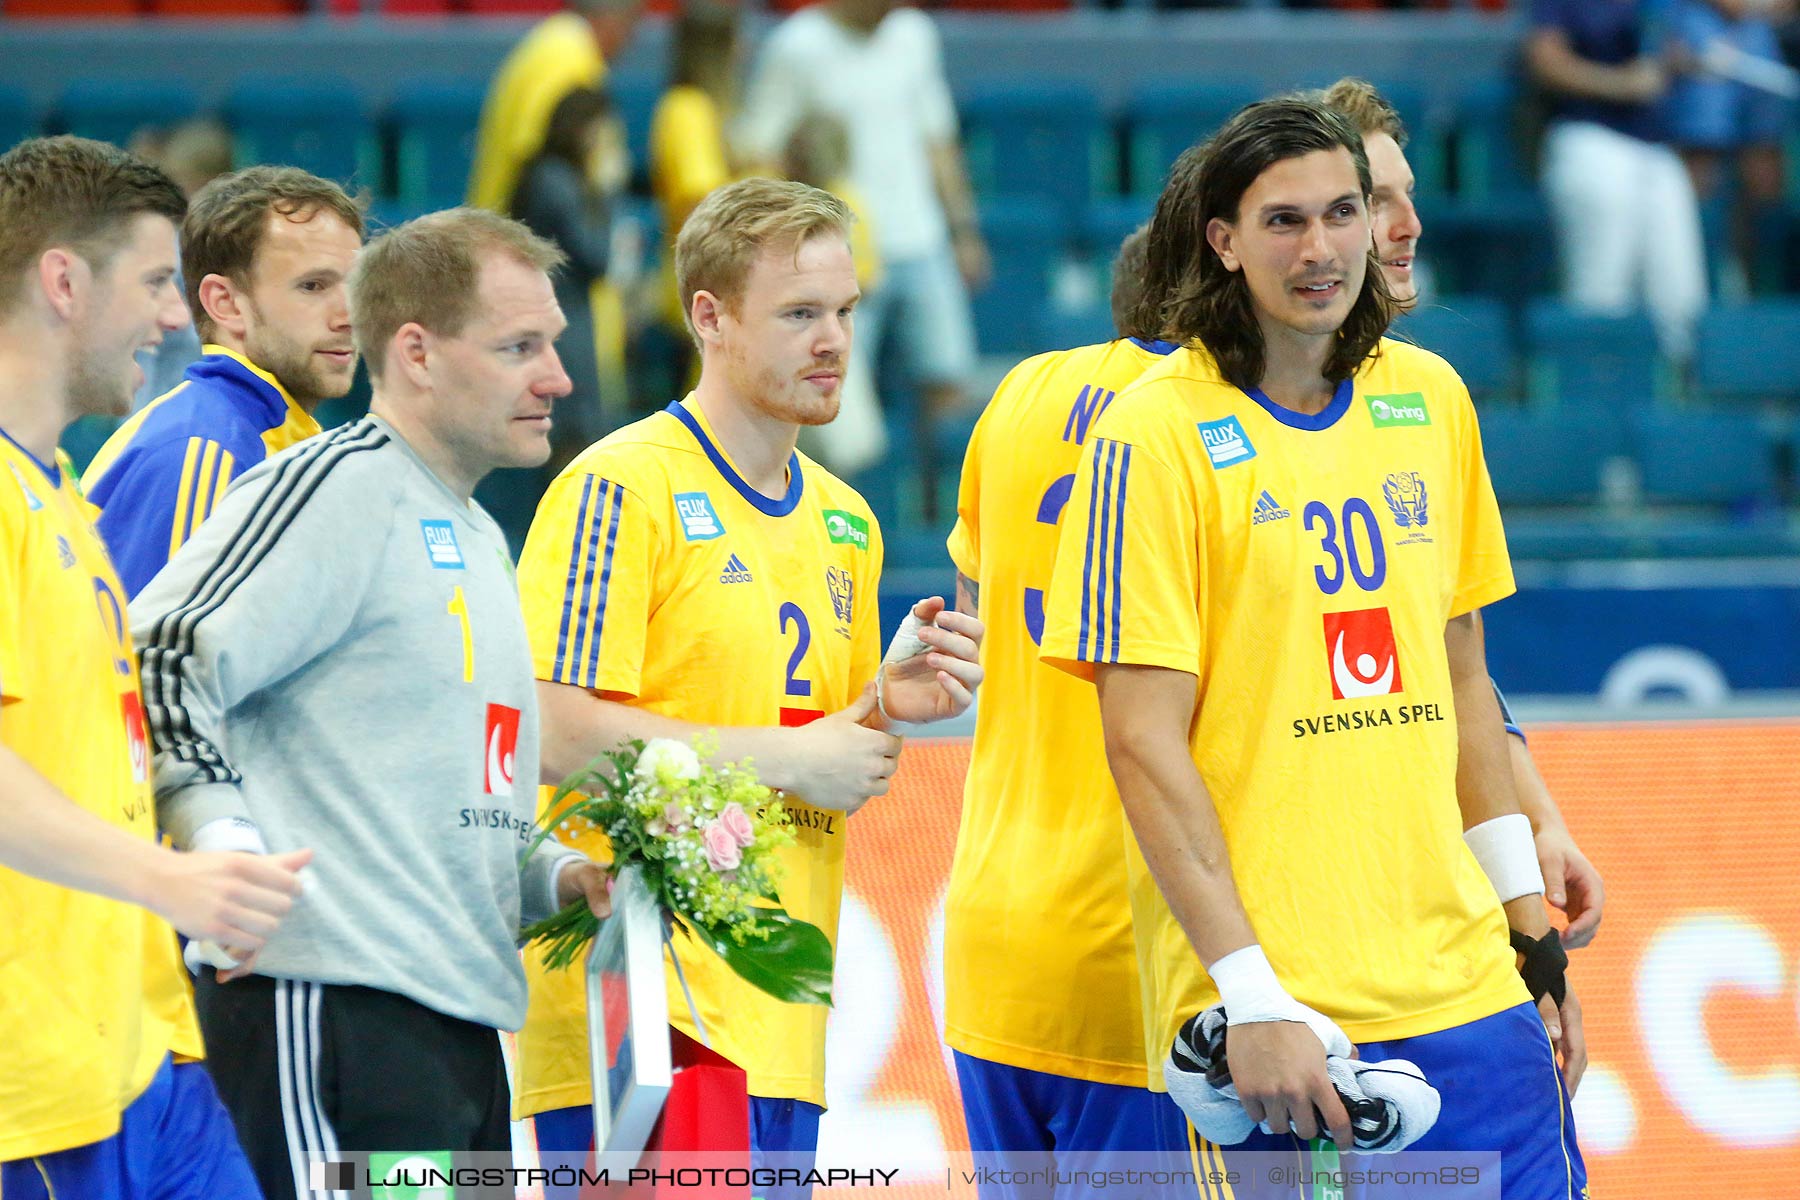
x=704, y=839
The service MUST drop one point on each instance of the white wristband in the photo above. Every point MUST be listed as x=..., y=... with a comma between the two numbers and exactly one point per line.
x=228, y=834
x=1506, y=851
x=1251, y=995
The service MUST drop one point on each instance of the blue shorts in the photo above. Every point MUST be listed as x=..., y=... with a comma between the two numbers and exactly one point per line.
x=783, y=1133
x=1023, y=1121
x=175, y=1142
x=1502, y=1092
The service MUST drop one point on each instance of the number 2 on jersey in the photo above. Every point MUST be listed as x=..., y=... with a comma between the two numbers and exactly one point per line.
x=794, y=613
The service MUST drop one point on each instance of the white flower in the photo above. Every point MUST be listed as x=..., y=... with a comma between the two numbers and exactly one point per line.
x=678, y=758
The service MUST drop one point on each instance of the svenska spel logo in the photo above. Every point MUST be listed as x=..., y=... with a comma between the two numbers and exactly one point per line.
x=133, y=711
x=501, y=744
x=1360, y=649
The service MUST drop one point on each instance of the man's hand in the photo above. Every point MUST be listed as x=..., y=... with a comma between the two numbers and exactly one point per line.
x=841, y=761
x=1564, y=1026
x=235, y=900
x=1571, y=884
x=940, y=680
x=972, y=259
x=1279, y=1070
x=589, y=880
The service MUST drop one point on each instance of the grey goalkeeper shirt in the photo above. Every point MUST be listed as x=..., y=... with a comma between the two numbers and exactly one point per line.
x=338, y=655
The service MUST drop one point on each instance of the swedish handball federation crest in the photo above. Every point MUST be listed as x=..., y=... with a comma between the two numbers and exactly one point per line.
x=843, y=592
x=1404, y=492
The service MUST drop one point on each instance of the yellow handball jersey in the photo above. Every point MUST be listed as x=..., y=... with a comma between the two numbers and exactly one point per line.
x=93, y=988
x=1303, y=569
x=1039, y=966
x=654, y=575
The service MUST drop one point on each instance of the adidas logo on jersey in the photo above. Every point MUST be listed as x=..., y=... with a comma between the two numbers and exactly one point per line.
x=1268, y=510
x=735, y=571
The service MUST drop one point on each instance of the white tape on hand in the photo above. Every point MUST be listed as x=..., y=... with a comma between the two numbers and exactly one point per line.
x=907, y=643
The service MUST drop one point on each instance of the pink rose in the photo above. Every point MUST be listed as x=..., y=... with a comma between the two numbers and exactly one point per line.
x=721, y=848
x=735, y=819
x=675, y=816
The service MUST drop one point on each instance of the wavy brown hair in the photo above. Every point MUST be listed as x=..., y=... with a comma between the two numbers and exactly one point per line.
x=1203, y=300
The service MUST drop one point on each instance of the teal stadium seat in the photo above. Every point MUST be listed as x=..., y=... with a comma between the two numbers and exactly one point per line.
x=1749, y=353
x=18, y=118
x=1721, y=459
x=634, y=96
x=434, y=123
x=1474, y=334
x=1048, y=139
x=1591, y=363
x=1026, y=237
x=111, y=110
x=1545, y=459
x=1109, y=222
x=320, y=125
x=1163, y=119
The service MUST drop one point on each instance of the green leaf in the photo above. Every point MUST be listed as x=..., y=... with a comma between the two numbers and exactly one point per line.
x=794, y=964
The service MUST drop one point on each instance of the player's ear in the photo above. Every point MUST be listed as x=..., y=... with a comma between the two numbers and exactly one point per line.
x=63, y=275
x=410, y=353
x=705, y=312
x=220, y=301
x=1222, y=238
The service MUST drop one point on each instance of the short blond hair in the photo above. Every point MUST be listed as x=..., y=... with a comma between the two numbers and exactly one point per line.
x=1366, y=107
x=429, y=271
x=736, y=223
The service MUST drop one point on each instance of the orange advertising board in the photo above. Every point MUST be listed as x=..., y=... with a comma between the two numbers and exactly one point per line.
x=1691, y=991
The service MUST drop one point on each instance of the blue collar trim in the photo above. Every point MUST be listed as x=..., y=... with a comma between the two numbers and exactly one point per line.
x=758, y=501
x=51, y=471
x=1323, y=419
x=1156, y=346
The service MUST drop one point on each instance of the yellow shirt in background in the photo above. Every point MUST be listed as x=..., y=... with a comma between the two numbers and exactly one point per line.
x=559, y=55
x=1040, y=970
x=655, y=575
x=1303, y=569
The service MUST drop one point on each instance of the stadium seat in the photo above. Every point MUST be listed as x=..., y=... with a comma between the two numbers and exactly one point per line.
x=1714, y=458
x=1489, y=145
x=1591, y=363
x=1750, y=352
x=1550, y=459
x=1023, y=136
x=434, y=123
x=18, y=118
x=1084, y=325
x=320, y=125
x=1110, y=222
x=111, y=110
x=1162, y=120
x=1025, y=237
x=1474, y=334
x=1497, y=247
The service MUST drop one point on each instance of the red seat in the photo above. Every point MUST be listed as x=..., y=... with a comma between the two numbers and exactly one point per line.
x=225, y=8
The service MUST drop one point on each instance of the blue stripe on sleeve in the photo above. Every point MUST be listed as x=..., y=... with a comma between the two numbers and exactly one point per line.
x=558, y=671
x=1118, y=548
x=1103, y=593
x=616, y=497
x=1087, y=563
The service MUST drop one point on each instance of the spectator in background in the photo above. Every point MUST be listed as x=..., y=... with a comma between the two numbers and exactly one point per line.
x=689, y=155
x=1627, y=223
x=565, y=195
x=818, y=154
x=1721, y=119
x=193, y=154
x=561, y=53
x=879, y=69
